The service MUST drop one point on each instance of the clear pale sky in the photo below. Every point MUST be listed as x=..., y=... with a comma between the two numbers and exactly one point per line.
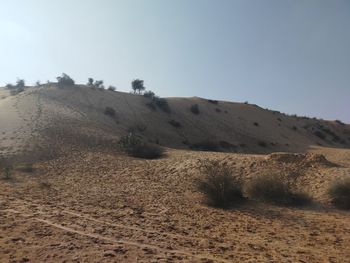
x=292, y=56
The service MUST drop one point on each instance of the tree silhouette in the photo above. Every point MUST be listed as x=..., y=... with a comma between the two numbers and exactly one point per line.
x=90, y=82
x=137, y=85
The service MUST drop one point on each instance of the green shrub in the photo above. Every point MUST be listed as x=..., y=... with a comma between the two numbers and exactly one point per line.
x=112, y=88
x=213, y=101
x=262, y=144
x=151, y=105
x=27, y=168
x=219, y=186
x=134, y=146
x=162, y=104
x=149, y=94
x=110, y=111
x=320, y=135
x=8, y=173
x=175, y=123
x=137, y=85
x=65, y=80
x=205, y=145
x=272, y=188
x=195, y=109
x=339, y=193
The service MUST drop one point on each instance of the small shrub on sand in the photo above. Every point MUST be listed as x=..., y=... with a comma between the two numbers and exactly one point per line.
x=8, y=173
x=110, y=111
x=339, y=193
x=219, y=186
x=5, y=170
x=205, y=145
x=135, y=147
x=213, y=101
x=195, y=109
x=26, y=168
x=262, y=144
x=44, y=184
x=162, y=104
x=175, y=123
x=272, y=188
x=65, y=80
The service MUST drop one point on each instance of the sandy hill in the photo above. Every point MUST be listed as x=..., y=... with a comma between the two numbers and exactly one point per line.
x=96, y=204
x=50, y=117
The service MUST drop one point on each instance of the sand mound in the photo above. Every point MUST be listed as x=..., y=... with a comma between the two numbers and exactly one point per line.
x=43, y=121
x=303, y=160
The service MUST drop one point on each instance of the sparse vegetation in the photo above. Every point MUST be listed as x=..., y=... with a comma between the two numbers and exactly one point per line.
x=149, y=94
x=195, y=109
x=20, y=84
x=65, y=80
x=156, y=102
x=220, y=187
x=227, y=146
x=8, y=173
x=340, y=122
x=262, y=144
x=26, y=168
x=18, y=88
x=138, y=127
x=175, y=123
x=110, y=111
x=162, y=104
x=339, y=193
x=134, y=146
x=6, y=170
x=205, y=145
x=137, y=86
x=99, y=84
x=90, y=82
x=218, y=110
x=213, y=101
x=272, y=188
x=151, y=105
x=320, y=135
x=112, y=88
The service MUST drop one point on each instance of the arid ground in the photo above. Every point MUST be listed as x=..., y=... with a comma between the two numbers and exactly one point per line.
x=100, y=207
x=84, y=201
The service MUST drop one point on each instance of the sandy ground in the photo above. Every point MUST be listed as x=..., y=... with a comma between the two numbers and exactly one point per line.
x=105, y=207
x=84, y=202
x=35, y=119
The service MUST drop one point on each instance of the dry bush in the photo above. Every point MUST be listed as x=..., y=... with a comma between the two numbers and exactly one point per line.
x=135, y=147
x=6, y=169
x=195, y=109
x=65, y=80
x=175, y=123
x=339, y=193
x=26, y=168
x=219, y=186
x=109, y=111
x=206, y=145
x=273, y=188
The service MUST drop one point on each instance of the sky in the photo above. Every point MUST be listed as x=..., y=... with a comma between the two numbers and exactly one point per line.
x=287, y=55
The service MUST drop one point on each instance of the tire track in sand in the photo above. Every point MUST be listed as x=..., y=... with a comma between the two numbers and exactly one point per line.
x=68, y=227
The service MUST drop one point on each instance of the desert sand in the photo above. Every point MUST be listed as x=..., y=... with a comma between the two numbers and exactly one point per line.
x=86, y=202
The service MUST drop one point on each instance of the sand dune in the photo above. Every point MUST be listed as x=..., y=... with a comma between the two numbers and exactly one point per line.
x=49, y=117
x=87, y=202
